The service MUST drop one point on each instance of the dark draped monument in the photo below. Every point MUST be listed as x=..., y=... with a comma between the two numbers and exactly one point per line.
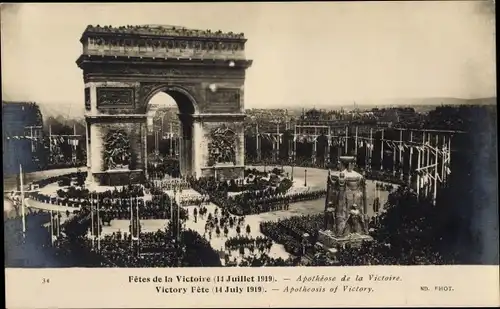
x=345, y=207
x=202, y=70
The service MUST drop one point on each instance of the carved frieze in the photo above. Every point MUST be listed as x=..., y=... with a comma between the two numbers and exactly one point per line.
x=116, y=150
x=163, y=72
x=222, y=146
x=223, y=100
x=168, y=44
x=115, y=97
x=87, y=98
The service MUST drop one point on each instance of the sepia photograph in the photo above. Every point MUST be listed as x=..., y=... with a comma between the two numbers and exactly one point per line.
x=197, y=135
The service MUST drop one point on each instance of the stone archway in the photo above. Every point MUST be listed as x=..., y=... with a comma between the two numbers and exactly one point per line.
x=188, y=107
x=203, y=71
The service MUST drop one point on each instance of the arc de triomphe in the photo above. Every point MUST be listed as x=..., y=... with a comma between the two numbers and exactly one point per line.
x=203, y=71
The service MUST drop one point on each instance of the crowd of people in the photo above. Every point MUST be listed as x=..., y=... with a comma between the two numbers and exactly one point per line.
x=252, y=200
x=384, y=186
x=162, y=168
x=74, y=196
x=153, y=249
x=220, y=222
x=294, y=231
x=265, y=201
x=247, y=242
x=171, y=184
x=260, y=260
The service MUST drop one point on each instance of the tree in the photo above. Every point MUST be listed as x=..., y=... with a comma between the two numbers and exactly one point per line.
x=217, y=231
x=248, y=229
x=242, y=250
x=226, y=231
x=412, y=231
x=238, y=230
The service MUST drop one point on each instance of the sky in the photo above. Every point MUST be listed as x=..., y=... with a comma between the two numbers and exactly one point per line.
x=304, y=54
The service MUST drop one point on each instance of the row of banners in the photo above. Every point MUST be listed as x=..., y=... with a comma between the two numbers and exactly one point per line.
x=54, y=140
x=361, y=143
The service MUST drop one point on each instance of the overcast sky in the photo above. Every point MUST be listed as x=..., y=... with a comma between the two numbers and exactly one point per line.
x=304, y=53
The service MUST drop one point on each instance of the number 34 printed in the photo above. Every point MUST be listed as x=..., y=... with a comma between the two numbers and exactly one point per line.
x=45, y=280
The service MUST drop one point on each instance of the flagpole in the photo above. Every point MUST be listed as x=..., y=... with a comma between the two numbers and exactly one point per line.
x=315, y=145
x=429, y=140
x=294, y=144
x=418, y=172
x=51, y=228
x=327, y=154
x=171, y=140
x=98, y=226
x=382, y=151
x=393, y=158
x=411, y=154
x=436, y=174
x=74, y=142
x=131, y=222
x=370, y=150
x=257, y=142
x=21, y=183
x=31, y=139
x=58, y=225
x=50, y=141
x=171, y=210
x=400, y=153
x=356, y=143
x=277, y=140
x=443, y=163
x=178, y=218
x=346, y=139
x=92, y=219
x=137, y=219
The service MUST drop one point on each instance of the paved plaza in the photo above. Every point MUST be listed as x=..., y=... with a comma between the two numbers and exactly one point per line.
x=315, y=180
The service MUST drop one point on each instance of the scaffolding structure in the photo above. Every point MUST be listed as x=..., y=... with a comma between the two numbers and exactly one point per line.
x=431, y=147
x=73, y=140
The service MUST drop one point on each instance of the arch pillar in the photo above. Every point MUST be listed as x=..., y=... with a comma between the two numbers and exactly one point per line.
x=193, y=148
x=134, y=127
x=203, y=127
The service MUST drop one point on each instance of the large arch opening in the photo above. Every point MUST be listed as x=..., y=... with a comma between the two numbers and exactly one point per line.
x=169, y=146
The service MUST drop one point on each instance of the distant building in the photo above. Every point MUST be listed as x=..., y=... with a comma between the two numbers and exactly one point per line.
x=23, y=137
x=165, y=121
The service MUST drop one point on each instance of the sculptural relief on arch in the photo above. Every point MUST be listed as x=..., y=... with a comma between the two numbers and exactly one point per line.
x=203, y=71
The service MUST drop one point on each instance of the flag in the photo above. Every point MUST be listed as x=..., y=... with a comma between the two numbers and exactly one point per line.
x=135, y=227
x=97, y=224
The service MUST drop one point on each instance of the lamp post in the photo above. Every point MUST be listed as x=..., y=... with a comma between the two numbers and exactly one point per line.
x=305, y=178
